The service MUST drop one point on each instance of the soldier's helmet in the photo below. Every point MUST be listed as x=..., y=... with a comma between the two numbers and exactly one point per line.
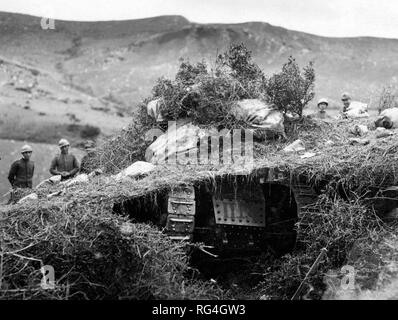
x=63, y=143
x=89, y=145
x=26, y=148
x=345, y=96
x=323, y=100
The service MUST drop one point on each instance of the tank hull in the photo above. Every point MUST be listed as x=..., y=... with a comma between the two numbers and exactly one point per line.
x=237, y=214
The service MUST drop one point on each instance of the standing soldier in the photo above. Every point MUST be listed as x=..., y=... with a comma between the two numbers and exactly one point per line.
x=21, y=171
x=64, y=164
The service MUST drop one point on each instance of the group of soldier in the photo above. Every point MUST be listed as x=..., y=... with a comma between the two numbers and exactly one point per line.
x=64, y=164
x=324, y=103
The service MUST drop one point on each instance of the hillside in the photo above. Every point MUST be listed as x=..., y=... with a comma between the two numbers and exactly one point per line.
x=95, y=72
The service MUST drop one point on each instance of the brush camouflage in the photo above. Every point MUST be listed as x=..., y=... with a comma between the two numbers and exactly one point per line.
x=231, y=214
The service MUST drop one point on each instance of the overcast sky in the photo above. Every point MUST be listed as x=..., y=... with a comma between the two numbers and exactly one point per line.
x=324, y=17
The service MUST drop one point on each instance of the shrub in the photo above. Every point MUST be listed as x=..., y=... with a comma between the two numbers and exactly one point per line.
x=239, y=60
x=291, y=90
x=188, y=72
x=172, y=93
x=243, y=69
x=207, y=96
x=388, y=98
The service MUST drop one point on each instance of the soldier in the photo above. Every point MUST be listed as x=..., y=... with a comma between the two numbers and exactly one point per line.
x=64, y=164
x=85, y=163
x=21, y=171
x=346, y=99
x=322, y=105
x=353, y=109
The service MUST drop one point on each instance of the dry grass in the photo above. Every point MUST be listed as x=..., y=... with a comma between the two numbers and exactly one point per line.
x=93, y=255
x=68, y=230
x=356, y=168
x=336, y=225
x=388, y=97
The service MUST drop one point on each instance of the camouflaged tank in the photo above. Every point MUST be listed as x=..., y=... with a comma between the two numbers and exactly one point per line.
x=233, y=214
x=239, y=214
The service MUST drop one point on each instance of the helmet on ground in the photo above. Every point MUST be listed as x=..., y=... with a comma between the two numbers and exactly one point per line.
x=26, y=148
x=63, y=143
x=384, y=121
x=345, y=96
x=323, y=100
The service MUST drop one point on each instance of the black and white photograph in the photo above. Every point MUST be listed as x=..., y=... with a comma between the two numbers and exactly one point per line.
x=199, y=155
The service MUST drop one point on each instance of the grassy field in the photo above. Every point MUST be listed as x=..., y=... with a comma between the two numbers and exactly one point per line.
x=42, y=155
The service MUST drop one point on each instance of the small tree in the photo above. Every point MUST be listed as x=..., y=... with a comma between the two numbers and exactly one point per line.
x=239, y=59
x=388, y=97
x=291, y=90
x=187, y=72
x=208, y=96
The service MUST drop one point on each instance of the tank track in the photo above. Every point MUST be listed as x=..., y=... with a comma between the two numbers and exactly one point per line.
x=181, y=208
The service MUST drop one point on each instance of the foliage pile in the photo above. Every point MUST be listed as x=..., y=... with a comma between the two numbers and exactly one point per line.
x=95, y=255
x=353, y=168
x=347, y=175
x=125, y=148
x=207, y=96
x=334, y=224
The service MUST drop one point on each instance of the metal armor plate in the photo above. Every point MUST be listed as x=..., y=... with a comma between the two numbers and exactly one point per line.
x=239, y=212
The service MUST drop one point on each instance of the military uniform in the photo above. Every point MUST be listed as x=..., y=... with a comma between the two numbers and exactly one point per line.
x=21, y=173
x=321, y=114
x=64, y=162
